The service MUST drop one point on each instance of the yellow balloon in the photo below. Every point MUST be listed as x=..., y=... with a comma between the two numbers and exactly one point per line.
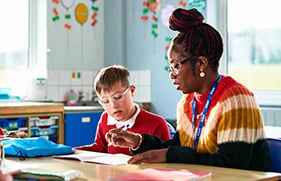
x=81, y=13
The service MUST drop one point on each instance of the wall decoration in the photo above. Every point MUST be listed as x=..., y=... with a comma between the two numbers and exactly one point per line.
x=94, y=15
x=81, y=16
x=200, y=5
x=165, y=14
x=153, y=6
x=56, y=1
x=56, y=17
x=168, y=41
x=81, y=13
x=67, y=4
x=144, y=11
x=182, y=3
x=55, y=11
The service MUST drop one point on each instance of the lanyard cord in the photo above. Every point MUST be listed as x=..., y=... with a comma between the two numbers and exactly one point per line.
x=206, y=107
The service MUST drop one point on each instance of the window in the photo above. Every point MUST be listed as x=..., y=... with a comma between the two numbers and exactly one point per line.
x=20, y=47
x=254, y=46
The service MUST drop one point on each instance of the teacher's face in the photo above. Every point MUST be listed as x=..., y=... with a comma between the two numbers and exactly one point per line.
x=181, y=71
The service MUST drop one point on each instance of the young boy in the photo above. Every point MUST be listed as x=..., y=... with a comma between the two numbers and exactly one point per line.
x=115, y=94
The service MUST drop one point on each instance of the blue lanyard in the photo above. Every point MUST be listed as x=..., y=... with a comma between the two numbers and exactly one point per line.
x=206, y=107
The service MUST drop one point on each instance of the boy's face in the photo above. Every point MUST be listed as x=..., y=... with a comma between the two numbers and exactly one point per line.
x=118, y=102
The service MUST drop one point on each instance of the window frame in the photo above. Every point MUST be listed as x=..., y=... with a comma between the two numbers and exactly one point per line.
x=264, y=98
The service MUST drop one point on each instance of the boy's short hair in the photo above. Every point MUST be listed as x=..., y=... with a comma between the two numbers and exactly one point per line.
x=108, y=76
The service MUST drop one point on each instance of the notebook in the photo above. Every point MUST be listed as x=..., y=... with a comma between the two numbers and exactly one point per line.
x=153, y=174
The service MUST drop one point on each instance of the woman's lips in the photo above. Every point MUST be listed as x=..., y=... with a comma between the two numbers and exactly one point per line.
x=177, y=86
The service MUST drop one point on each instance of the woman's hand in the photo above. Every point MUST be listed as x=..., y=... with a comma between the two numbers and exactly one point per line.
x=151, y=156
x=122, y=138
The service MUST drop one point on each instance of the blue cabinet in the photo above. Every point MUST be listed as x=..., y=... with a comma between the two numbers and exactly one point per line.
x=80, y=128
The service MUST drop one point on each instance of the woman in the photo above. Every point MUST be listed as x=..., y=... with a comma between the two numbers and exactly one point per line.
x=218, y=120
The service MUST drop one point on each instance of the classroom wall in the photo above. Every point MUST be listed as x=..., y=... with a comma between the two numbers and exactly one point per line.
x=120, y=37
x=129, y=41
x=76, y=51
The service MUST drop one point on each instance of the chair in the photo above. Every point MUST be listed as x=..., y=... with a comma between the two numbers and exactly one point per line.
x=171, y=129
x=275, y=150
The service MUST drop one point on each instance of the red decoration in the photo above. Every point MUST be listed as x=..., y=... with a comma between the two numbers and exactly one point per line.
x=144, y=17
x=181, y=3
x=55, y=11
x=67, y=26
x=94, y=22
x=154, y=5
x=56, y=1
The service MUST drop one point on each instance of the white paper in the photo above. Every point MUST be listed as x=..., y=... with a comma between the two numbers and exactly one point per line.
x=97, y=157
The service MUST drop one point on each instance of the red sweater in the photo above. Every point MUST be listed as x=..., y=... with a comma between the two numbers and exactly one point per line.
x=145, y=122
x=1, y=132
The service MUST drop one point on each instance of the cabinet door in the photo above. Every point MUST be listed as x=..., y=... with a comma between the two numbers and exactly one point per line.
x=80, y=128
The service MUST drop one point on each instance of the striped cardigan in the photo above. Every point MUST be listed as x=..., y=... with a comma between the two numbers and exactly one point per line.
x=232, y=135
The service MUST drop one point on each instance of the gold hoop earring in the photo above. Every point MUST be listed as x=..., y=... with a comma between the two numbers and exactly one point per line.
x=202, y=74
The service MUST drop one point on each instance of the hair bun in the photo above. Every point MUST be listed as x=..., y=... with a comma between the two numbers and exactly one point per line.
x=183, y=19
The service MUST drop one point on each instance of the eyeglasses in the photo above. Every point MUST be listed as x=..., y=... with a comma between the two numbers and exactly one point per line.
x=174, y=68
x=115, y=98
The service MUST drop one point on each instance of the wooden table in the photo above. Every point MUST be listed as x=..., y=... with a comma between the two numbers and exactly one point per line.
x=92, y=171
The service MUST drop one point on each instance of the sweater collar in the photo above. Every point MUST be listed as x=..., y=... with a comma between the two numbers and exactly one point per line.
x=129, y=123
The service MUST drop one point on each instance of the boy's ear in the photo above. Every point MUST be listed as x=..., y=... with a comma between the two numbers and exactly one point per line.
x=132, y=89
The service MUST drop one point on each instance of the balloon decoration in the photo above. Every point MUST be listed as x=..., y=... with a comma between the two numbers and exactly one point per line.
x=166, y=13
x=200, y=5
x=153, y=6
x=81, y=13
x=67, y=4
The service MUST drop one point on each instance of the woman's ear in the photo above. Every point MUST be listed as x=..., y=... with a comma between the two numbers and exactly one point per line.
x=203, y=62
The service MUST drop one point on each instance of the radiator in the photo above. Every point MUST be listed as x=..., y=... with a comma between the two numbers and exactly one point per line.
x=271, y=115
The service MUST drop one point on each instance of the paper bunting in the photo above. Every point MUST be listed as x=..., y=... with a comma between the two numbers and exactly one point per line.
x=56, y=17
x=56, y=1
x=153, y=6
x=67, y=26
x=182, y=3
x=55, y=11
x=94, y=15
x=168, y=41
x=144, y=11
x=67, y=16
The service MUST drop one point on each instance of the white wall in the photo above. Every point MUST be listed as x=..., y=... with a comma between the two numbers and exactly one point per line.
x=73, y=55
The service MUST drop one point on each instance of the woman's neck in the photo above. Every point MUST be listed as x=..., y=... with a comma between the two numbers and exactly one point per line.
x=208, y=83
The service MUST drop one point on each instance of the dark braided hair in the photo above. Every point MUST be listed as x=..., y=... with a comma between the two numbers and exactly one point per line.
x=197, y=38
